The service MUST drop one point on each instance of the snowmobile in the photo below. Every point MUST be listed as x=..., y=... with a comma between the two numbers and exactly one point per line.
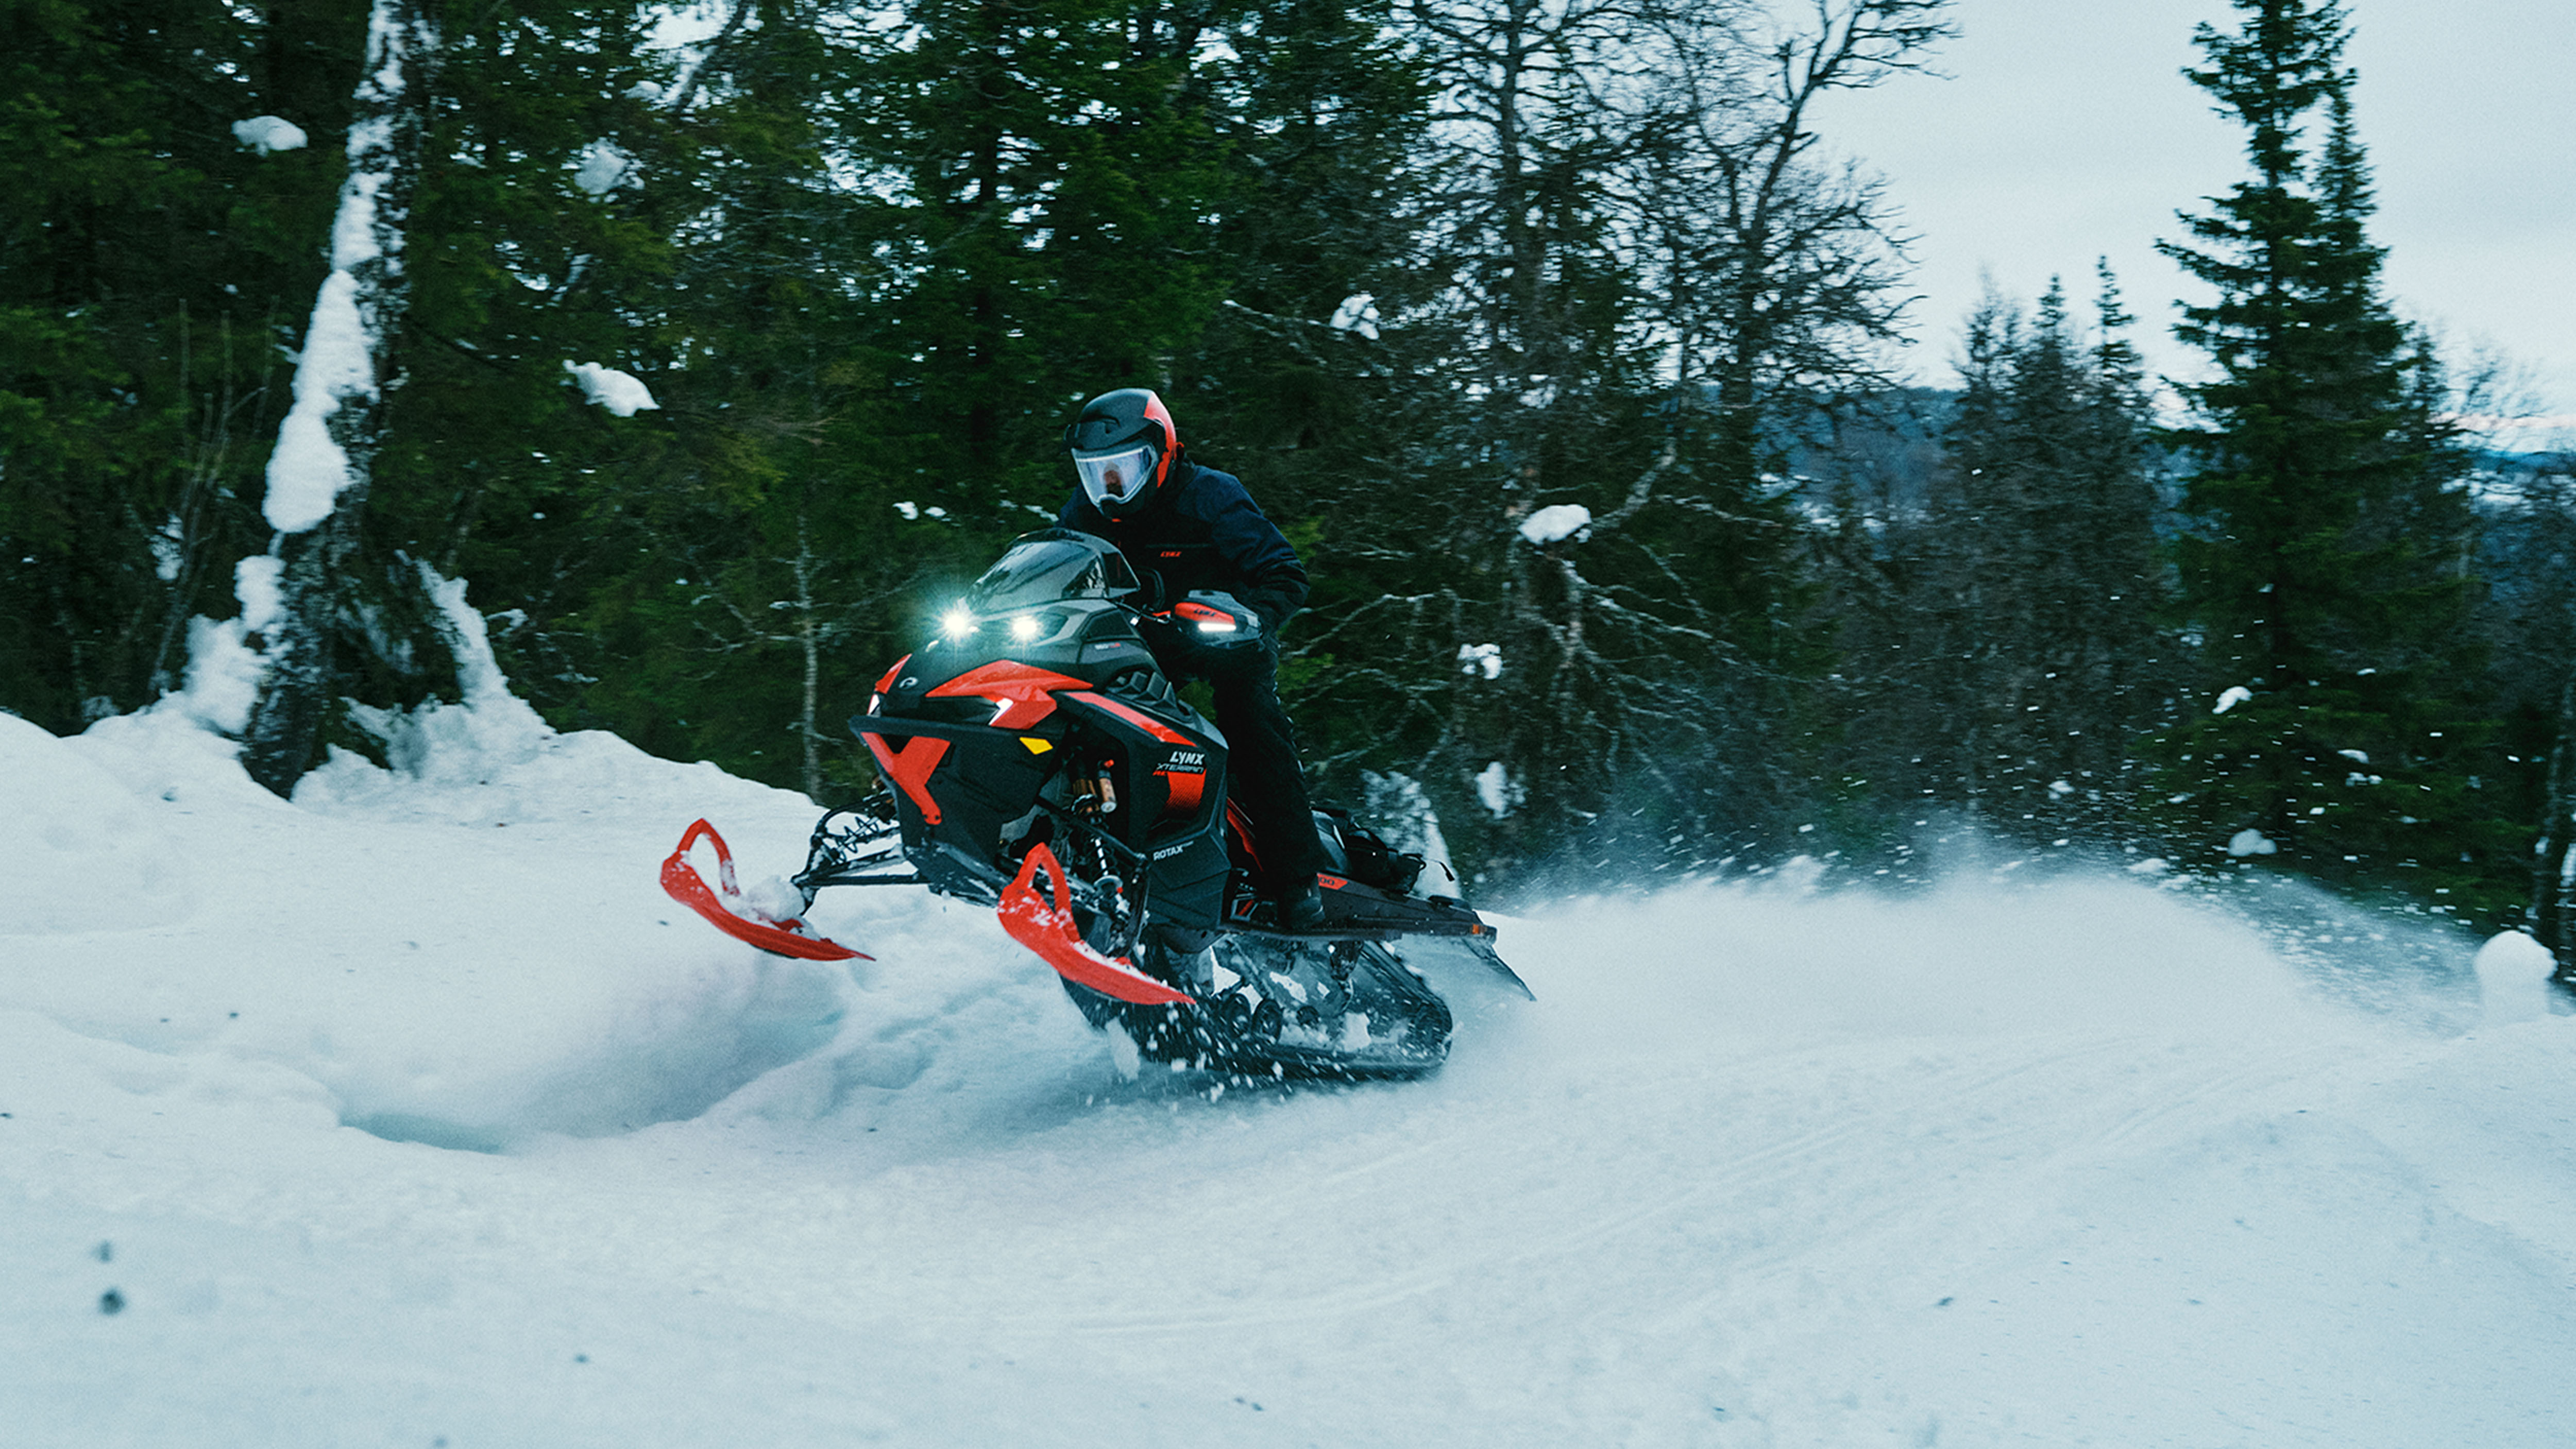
x=1039, y=761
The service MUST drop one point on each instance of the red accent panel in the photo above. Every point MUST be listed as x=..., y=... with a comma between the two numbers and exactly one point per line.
x=1330, y=882
x=1186, y=789
x=1242, y=824
x=891, y=673
x=1048, y=930
x=1156, y=412
x=1020, y=689
x=1188, y=610
x=1138, y=718
x=911, y=767
x=728, y=912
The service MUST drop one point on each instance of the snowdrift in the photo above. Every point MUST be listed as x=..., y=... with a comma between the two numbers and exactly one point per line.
x=411, y=1112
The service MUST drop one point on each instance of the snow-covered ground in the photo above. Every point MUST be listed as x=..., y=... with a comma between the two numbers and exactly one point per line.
x=413, y=1114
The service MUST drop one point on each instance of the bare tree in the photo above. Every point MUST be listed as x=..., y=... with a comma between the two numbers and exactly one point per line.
x=1652, y=272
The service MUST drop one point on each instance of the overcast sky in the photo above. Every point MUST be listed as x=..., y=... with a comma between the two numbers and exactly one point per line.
x=2064, y=130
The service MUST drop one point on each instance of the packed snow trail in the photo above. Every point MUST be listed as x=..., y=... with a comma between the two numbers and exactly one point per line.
x=412, y=1112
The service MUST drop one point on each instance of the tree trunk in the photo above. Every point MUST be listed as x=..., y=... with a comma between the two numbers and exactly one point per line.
x=317, y=477
x=2553, y=897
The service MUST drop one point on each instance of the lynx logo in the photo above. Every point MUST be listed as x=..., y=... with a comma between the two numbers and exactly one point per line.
x=1188, y=762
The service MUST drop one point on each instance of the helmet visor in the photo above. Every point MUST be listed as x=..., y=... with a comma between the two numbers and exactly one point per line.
x=1113, y=480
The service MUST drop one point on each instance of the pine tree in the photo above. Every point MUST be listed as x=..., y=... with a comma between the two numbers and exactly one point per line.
x=2325, y=576
x=153, y=261
x=2048, y=571
x=2528, y=547
x=2004, y=633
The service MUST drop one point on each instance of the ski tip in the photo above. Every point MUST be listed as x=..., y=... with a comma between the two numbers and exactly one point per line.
x=724, y=907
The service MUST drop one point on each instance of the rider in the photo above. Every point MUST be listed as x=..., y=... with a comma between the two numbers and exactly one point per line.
x=1198, y=529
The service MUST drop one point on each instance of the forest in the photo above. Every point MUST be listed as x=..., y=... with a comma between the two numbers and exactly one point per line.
x=1561, y=339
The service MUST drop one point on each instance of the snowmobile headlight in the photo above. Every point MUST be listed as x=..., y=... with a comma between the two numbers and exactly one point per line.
x=1024, y=628
x=1216, y=626
x=957, y=623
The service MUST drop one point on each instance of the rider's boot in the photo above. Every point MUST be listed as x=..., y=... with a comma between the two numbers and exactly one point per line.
x=1301, y=906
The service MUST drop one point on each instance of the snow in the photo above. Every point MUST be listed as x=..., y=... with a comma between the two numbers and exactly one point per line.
x=411, y=1111
x=1554, y=522
x=1484, y=659
x=2513, y=978
x=2528, y=435
x=2232, y=696
x=256, y=584
x=603, y=168
x=1402, y=816
x=269, y=134
x=1358, y=313
x=2250, y=841
x=621, y=393
x=309, y=470
x=1494, y=789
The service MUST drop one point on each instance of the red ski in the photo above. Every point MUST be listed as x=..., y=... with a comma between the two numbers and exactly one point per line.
x=1049, y=931
x=725, y=907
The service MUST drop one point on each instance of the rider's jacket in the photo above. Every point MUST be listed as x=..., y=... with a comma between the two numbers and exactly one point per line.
x=1203, y=531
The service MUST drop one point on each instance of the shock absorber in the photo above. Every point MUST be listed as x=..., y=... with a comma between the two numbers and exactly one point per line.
x=1099, y=787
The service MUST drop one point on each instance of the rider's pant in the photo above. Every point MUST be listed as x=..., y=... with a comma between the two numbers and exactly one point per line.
x=1261, y=770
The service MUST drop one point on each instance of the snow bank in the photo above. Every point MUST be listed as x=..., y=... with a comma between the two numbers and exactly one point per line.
x=2513, y=979
x=81, y=851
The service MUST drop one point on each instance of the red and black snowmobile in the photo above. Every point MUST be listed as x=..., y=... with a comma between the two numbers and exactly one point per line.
x=1040, y=762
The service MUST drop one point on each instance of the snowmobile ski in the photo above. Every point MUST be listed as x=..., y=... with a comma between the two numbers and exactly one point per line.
x=1049, y=930
x=725, y=907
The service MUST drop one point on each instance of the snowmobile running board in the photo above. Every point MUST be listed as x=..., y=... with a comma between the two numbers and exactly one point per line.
x=728, y=911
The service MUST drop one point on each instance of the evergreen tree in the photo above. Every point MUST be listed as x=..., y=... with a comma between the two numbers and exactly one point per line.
x=2003, y=633
x=2047, y=573
x=2528, y=548
x=2325, y=575
x=156, y=255
x=681, y=576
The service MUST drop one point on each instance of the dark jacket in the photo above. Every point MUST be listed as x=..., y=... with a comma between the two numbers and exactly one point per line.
x=1203, y=531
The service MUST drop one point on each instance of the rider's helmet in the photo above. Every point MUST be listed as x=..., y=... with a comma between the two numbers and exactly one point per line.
x=1122, y=447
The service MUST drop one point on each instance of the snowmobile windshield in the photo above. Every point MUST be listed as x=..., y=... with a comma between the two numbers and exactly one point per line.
x=1044, y=567
x=1112, y=480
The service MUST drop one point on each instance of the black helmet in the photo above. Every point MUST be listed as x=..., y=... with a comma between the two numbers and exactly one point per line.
x=1122, y=447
